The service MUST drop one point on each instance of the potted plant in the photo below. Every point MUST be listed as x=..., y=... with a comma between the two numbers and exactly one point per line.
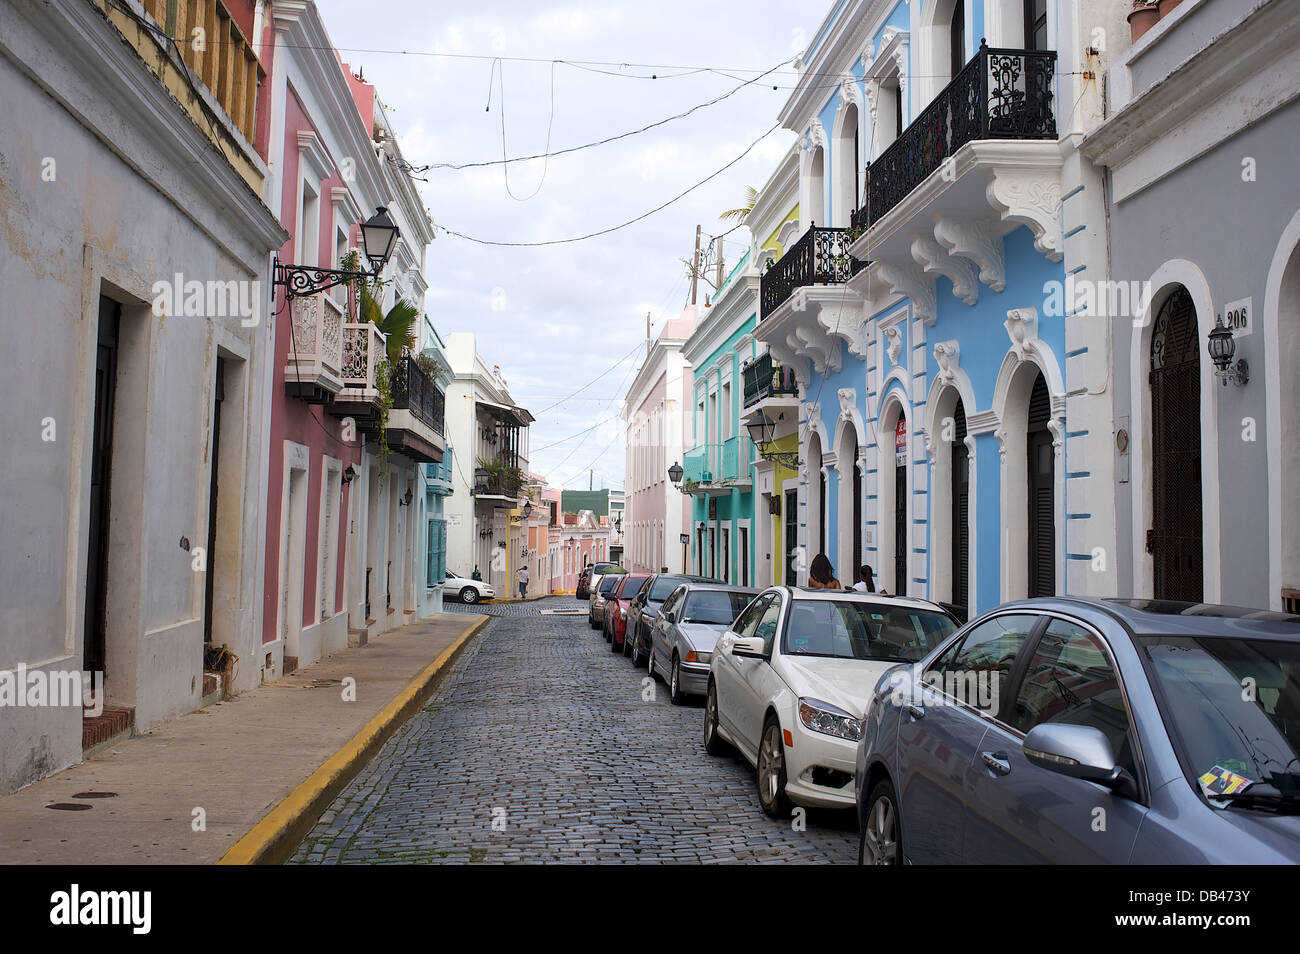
x=1142, y=17
x=1167, y=6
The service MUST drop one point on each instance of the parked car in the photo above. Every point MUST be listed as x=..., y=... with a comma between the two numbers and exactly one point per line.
x=598, y=572
x=683, y=635
x=467, y=590
x=790, y=680
x=616, y=608
x=583, y=589
x=643, y=610
x=1177, y=724
x=599, y=594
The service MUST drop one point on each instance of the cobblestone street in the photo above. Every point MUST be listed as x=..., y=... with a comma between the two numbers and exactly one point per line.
x=538, y=747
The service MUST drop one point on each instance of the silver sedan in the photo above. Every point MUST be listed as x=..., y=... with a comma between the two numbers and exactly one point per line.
x=683, y=635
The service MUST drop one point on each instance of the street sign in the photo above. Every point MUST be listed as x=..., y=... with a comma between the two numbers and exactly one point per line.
x=684, y=539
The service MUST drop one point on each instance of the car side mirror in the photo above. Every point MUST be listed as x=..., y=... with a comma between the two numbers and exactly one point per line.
x=751, y=647
x=669, y=616
x=1078, y=751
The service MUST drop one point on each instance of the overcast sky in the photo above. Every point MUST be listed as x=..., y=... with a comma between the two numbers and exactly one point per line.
x=555, y=317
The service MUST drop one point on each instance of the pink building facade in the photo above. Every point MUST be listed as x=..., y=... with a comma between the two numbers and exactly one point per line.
x=654, y=417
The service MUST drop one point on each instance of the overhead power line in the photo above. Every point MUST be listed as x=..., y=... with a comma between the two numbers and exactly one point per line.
x=622, y=225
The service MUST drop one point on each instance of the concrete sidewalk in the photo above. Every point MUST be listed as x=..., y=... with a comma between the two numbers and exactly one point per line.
x=261, y=767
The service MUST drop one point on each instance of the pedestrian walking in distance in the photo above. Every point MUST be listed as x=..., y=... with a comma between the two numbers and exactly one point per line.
x=522, y=577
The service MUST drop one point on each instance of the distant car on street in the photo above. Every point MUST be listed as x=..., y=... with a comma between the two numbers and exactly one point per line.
x=583, y=589
x=684, y=632
x=599, y=594
x=642, y=611
x=616, y=608
x=789, y=683
x=1178, y=723
x=467, y=590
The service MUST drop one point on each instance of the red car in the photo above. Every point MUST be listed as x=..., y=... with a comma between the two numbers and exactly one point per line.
x=615, y=627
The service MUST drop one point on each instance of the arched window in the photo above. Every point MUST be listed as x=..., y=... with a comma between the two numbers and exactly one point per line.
x=957, y=38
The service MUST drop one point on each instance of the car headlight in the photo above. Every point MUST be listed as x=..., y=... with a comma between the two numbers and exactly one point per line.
x=829, y=720
x=694, y=657
x=622, y=614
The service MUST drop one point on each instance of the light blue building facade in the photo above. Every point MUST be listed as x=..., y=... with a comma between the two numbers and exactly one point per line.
x=431, y=536
x=955, y=430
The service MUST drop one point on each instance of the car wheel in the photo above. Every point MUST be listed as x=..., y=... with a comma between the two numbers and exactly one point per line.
x=650, y=662
x=713, y=743
x=880, y=841
x=771, y=772
x=614, y=645
x=675, y=694
x=469, y=595
x=638, y=657
x=627, y=642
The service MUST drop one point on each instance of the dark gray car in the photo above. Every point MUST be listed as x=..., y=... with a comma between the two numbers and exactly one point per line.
x=1079, y=731
x=644, y=610
x=684, y=633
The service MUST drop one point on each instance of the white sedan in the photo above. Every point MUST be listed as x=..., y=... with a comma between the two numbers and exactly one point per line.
x=790, y=680
x=467, y=590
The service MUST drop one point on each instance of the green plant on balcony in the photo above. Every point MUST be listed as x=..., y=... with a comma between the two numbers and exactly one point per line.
x=384, y=385
x=501, y=477
x=689, y=485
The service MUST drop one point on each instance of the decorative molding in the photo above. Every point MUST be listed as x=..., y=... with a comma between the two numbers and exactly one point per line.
x=947, y=354
x=1022, y=329
x=1002, y=437
x=1031, y=198
x=909, y=280
x=848, y=397
x=977, y=241
x=895, y=345
x=313, y=153
x=981, y=422
x=934, y=259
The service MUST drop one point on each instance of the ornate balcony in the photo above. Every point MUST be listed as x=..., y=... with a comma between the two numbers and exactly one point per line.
x=717, y=468
x=765, y=379
x=979, y=161
x=999, y=94
x=363, y=348
x=416, y=417
x=820, y=257
x=314, y=368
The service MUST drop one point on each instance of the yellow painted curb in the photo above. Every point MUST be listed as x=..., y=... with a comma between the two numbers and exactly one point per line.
x=273, y=839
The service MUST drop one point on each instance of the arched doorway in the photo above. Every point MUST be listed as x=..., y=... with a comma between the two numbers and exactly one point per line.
x=847, y=163
x=816, y=188
x=1174, y=539
x=893, y=517
x=849, y=506
x=816, y=498
x=951, y=481
x=1041, y=496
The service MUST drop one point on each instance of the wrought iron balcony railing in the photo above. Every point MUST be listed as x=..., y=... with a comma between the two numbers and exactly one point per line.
x=765, y=378
x=416, y=392
x=999, y=94
x=820, y=257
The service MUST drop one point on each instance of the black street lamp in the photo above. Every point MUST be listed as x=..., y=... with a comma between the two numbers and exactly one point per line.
x=1222, y=347
x=378, y=239
x=675, y=473
x=762, y=431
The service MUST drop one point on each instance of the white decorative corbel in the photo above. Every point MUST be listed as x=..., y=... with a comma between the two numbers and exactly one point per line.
x=946, y=354
x=1002, y=436
x=976, y=241
x=908, y=280
x=848, y=398
x=1022, y=329
x=1031, y=198
x=935, y=260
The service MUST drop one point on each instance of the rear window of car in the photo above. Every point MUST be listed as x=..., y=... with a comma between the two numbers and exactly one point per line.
x=632, y=585
x=862, y=630
x=663, y=587
x=714, y=606
x=607, y=584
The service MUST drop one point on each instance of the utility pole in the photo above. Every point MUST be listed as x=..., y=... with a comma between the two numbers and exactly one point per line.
x=718, y=285
x=695, y=267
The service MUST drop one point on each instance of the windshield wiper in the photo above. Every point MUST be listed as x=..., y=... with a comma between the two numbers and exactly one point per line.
x=1279, y=802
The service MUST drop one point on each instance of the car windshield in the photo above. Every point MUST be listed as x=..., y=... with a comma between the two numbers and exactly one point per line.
x=1233, y=704
x=845, y=629
x=714, y=606
x=663, y=587
x=632, y=585
x=607, y=584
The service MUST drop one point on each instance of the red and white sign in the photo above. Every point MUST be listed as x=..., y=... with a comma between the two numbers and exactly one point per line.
x=900, y=441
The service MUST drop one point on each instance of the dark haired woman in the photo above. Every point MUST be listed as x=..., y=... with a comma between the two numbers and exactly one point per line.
x=821, y=576
x=866, y=580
